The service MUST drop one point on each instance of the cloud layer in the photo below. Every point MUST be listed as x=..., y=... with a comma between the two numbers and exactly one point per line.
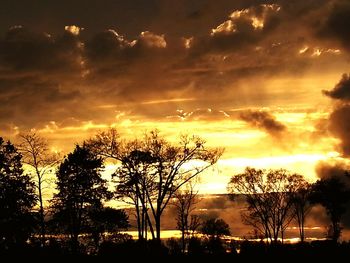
x=223, y=61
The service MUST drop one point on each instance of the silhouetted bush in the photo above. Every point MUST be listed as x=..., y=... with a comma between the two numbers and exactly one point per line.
x=174, y=246
x=195, y=246
x=216, y=246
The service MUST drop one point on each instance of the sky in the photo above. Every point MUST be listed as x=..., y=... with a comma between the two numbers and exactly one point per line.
x=266, y=80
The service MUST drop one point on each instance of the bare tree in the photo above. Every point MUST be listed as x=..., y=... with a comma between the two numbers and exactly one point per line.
x=130, y=175
x=109, y=145
x=269, y=195
x=36, y=154
x=133, y=180
x=173, y=167
x=169, y=167
x=195, y=223
x=184, y=203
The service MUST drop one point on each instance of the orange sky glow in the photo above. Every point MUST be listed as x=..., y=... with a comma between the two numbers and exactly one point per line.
x=246, y=76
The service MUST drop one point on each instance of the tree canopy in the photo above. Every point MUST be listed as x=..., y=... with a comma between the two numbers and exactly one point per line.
x=153, y=169
x=79, y=186
x=333, y=194
x=17, y=197
x=269, y=195
x=215, y=228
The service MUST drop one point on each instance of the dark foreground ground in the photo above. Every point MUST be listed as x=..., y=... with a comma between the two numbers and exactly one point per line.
x=233, y=252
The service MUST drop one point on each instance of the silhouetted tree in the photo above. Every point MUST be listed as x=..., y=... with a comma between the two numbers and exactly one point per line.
x=269, y=195
x=79, y=186
x=302, y=206
x=332, y=194
x=102, y=220
x=215, y=228
x=173, y=166
x=195, y=223
x=37, y=155
x=132, y=174
x=169, y=167
x=109, y=145
x=136, y=184
x=184, y=204
x=17, y=197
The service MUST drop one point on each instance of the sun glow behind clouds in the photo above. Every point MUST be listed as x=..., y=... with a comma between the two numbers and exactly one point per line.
x=295, y=150
x=298, y=148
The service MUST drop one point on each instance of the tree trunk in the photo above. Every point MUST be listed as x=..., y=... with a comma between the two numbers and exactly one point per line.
x=146, y=228
x=75, y=243
x=183, y=239
x=139, y=229
x=336, y=231
x=157, y=221
x=150, y=225
x=41, y=214
x=302, y=233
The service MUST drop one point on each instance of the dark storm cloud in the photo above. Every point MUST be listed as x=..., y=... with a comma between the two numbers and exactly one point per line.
x=109, y=54
x=243, y=29
x=337, y=24
x=263, y=120
x=339, y=119
x=341, y=91
x=131, y=17
x=325, y=170
x=37, y=76
x=34, y=100
x=24, y=50
x=95, y=15
x=339, y=126
x=106, y=45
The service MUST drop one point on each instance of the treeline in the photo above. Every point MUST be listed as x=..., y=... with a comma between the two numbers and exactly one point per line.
x=152, y=173
x=275, y=198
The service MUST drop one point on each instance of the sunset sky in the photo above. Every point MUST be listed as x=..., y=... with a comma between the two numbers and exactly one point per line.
x=266, y=80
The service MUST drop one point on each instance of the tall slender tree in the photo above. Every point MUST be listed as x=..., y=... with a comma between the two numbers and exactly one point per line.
x=134, y=183
x=184, y=203
x=36, y=154
x=302, y=206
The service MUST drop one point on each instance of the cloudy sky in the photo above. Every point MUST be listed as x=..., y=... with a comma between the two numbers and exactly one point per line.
x=267, y=80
